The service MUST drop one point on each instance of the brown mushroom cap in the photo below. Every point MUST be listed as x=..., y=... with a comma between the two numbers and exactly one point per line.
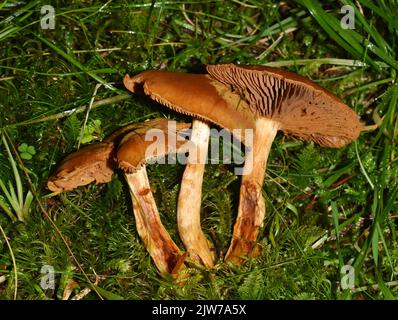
x=133, y=147
x=91, y=163
x=96, y=162
x=197, y=95
x=303, y=108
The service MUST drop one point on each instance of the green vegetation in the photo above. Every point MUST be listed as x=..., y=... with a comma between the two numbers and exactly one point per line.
x=326, y=208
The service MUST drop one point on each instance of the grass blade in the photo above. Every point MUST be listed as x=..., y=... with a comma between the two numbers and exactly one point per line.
x=6, y=209
x=381, y=12
x=75, y=62
x=335, y=215
x=27, y=204
x=20, y=12
x=13, y=262
x=107, y=294
x=379, y=40
x=10, y=198
x=375, y=244
x=383, y=288
x=350, y=40
x=16, y=174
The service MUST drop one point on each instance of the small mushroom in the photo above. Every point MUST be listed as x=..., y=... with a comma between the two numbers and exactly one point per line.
x=94, y=162
x=132, y=156
x=97, y=162
x=264, y=100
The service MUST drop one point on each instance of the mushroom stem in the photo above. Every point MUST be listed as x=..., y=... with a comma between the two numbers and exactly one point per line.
x=189, y=199
x=164, y=252
x=251, y=209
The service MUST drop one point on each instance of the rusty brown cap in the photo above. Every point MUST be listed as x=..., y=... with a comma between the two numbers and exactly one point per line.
x=132, y=152
x=90, y=163
x=197, y=95
x=302, y=108
x=93, y=162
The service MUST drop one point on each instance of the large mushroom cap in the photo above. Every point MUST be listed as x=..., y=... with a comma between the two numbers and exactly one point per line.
x=133, y=150
x=197, y=95
x=302, y=108
x=91, y=163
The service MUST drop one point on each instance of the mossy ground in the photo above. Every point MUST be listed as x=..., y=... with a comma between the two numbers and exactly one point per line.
x=310, y=192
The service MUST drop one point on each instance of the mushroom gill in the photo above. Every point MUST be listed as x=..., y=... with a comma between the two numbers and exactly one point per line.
x=303, y=108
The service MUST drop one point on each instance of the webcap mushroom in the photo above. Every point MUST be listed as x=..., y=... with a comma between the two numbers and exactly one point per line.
x=285, y=101
x=132, y=157
x=97, y=162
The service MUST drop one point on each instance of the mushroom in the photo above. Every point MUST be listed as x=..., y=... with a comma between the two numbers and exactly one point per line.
x=135, y=150
x=206, y=100
x=94, y=162
x=285, y=101
x=262, y=99
x=97, y=162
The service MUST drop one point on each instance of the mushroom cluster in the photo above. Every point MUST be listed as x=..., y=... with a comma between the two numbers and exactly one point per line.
x=255, y=99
